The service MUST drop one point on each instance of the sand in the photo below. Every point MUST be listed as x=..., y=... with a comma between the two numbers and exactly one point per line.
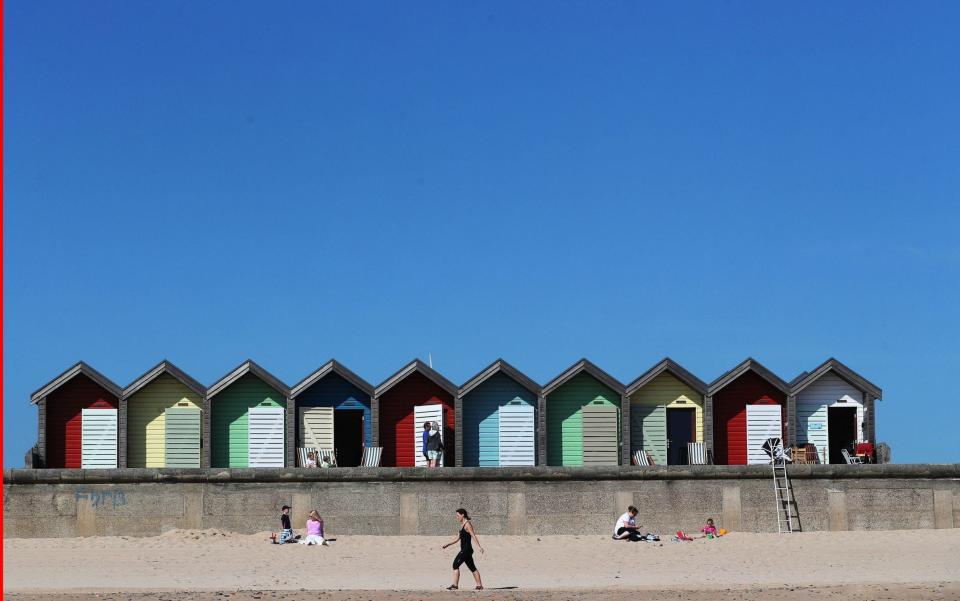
x=919, y=564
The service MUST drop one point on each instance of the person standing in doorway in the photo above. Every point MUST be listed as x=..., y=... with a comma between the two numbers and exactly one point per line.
x=434, y=446
x=426, y=437
x=467, y=536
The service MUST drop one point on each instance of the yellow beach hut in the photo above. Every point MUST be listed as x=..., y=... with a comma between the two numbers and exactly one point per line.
x=160, y=418
x=666, y=412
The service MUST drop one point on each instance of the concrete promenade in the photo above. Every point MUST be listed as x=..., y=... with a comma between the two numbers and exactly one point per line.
x=520, y=501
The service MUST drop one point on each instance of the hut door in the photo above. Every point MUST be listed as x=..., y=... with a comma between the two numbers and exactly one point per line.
x=763, y=422
x=98, y=438
x=425, y=413
x=265, y=436
x=648, y=431
x=181, y=438
x=600, y=435
x=516, y=435
x=681, y=427
x=841, y=431
x=316, y=427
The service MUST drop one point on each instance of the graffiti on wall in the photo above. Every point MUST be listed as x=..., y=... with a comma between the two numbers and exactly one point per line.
x=97, y=498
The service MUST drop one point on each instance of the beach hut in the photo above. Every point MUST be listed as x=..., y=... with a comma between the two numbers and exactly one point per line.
x=77, y=420
x=666, y=412
x=834, y=408
x=331, y=409
x=415, y=394
x=748, y=405
x=582, y=408
x=497, y=410
x=245, y=412
x=161, y=418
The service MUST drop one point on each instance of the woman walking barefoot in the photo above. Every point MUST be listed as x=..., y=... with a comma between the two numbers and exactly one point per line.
x=466, y=536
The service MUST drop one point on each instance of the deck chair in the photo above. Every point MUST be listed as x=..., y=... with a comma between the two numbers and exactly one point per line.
x=642, y=458
x=851, y=460
x=371, y=456
x=302, y=453
x=327, y=456
x=696, y=453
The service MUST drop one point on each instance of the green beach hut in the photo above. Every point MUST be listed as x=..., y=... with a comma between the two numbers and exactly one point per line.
x=582, y=409
x=246, y=419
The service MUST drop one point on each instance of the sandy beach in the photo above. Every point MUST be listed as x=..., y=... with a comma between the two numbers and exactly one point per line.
x=920, y=564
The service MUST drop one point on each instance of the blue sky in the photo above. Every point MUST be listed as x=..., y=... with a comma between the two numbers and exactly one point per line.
x=213, y=181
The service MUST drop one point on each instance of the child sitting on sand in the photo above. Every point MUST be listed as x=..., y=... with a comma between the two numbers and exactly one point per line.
x=314, y=530
x=710, y=531
x=286, y=531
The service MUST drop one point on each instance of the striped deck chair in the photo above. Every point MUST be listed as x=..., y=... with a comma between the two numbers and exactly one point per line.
x=696, y=453
x=302, y=453
x=327, y=456
x=371, y=456
x=642, y=458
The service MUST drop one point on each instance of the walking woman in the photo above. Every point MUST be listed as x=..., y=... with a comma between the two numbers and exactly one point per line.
x=467, y=536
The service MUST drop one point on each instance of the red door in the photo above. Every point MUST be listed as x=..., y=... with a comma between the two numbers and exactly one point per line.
x=396, y=419
x=730, y=415
x=64, y=408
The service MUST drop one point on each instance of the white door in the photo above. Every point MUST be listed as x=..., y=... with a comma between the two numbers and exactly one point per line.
x=425, y=413
x=516, y=435
x=98, y=438
x=265, y=436
x=763, y=422
x=316, y=428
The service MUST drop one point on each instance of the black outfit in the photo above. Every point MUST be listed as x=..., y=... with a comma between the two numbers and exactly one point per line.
x=434, y=442
x=465, y=556
x=285, y=521
x=634, y=535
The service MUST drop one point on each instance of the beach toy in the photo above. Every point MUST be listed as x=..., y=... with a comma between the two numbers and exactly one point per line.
x=709, y=535
x=723, y=531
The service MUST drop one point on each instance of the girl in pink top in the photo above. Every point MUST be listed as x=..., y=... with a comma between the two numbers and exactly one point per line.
x=314, y=530
x=709, y=531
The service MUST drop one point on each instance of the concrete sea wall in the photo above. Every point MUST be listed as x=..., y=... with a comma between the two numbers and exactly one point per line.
x=542, y=500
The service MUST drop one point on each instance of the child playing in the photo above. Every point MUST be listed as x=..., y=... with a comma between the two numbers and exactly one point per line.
x=314, y=530
x=710, y=531
x=286, y=531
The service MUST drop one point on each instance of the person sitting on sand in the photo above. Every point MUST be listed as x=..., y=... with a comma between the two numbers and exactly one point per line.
x=286, y=531
x=626, y=528
x=709, y=531
x=314, y=530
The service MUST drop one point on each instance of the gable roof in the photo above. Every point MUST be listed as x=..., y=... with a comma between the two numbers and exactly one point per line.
x=417, y=366
x=584, y=365
x=77, y=369
x=844, y=372
x=748, y=364
x=158, y=370
x=500, y=366
x=243, y=369
x=668, y=365
x=332, y=367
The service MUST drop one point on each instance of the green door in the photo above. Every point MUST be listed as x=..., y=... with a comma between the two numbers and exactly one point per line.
x=182, y=437
x=648, y=431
